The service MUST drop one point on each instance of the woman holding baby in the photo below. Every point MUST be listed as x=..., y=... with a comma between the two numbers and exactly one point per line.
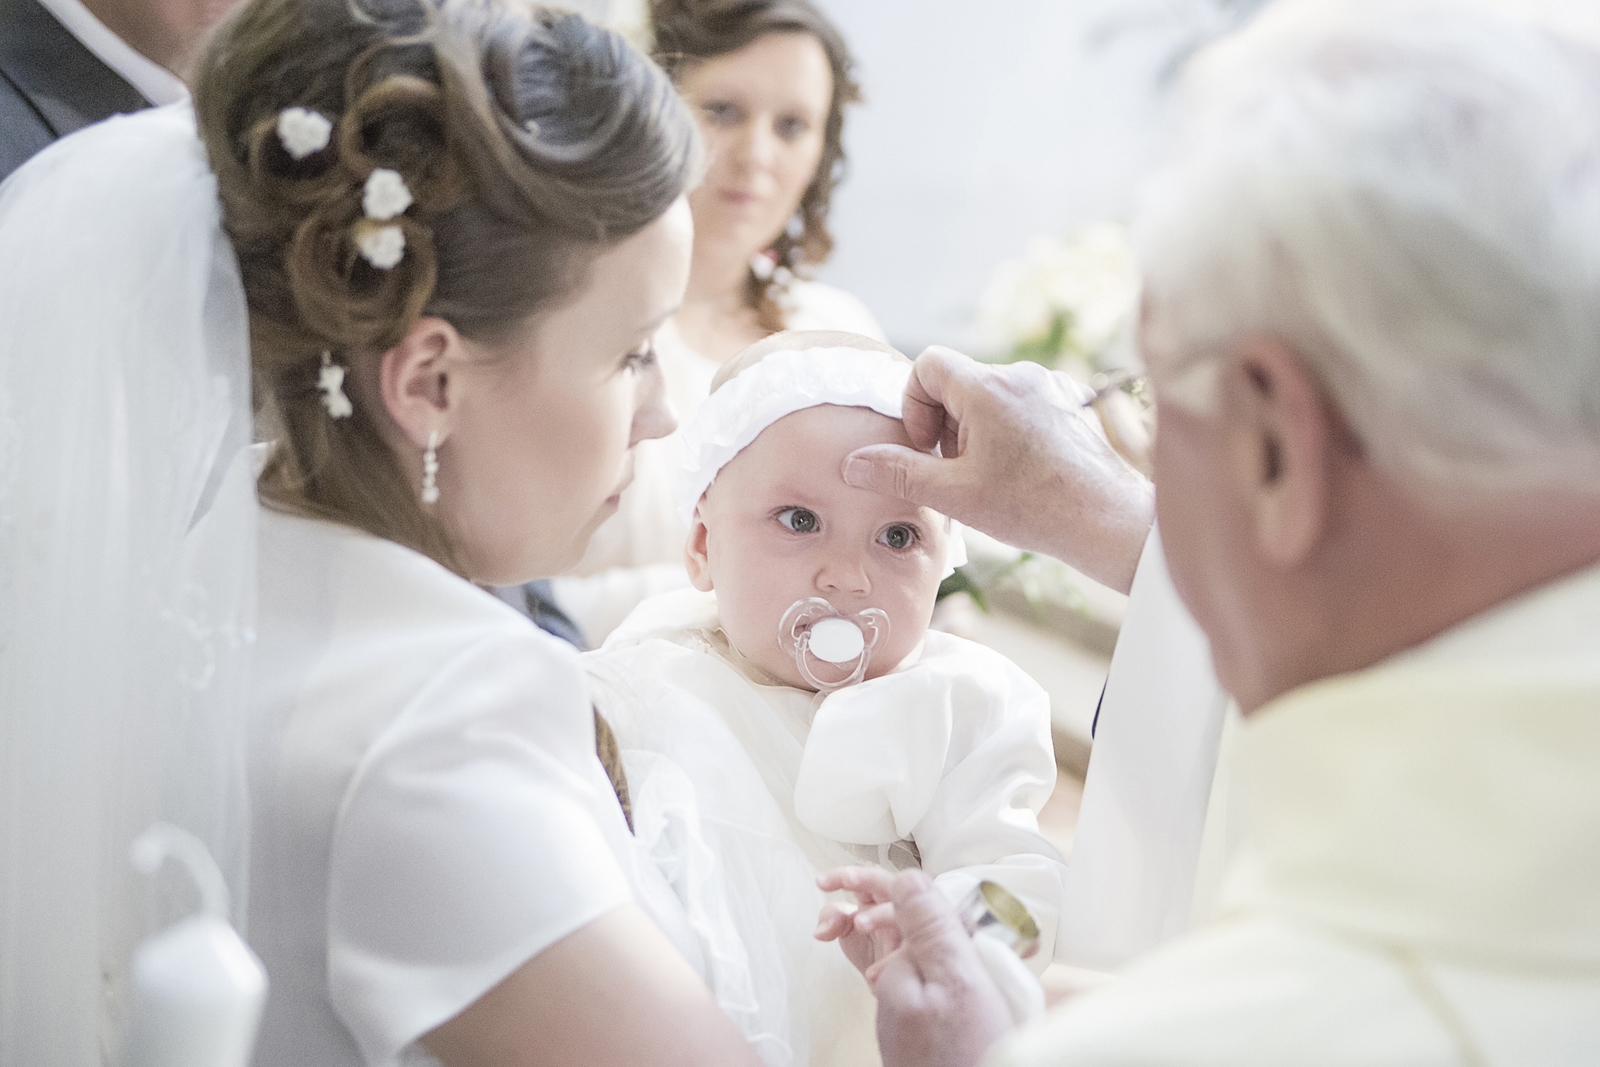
x=444, y=236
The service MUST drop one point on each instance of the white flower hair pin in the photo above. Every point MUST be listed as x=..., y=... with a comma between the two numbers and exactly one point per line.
x=303, y=131
x=384, y=197
x=330, y=380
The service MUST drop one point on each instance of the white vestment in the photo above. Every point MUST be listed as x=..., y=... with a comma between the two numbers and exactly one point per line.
x=1136, y=854
x=1419, y=881
x=943, y=764
x=638, y=552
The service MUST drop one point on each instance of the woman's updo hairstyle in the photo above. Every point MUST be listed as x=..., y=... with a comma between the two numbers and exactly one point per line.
x=529, y=141
x=689, y=31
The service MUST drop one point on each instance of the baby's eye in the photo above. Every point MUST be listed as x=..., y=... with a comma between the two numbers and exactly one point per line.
x=800, y=520
x=899, y=537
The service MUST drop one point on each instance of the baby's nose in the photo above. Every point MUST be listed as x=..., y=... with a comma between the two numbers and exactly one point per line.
x=844, y=574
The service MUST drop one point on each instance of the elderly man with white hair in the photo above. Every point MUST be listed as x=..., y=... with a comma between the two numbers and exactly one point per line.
x=1372, y=318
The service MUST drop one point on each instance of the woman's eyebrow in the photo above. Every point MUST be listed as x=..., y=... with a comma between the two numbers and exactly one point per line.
x=655, y=324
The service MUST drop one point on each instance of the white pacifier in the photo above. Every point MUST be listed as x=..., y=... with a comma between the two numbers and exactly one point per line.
x=812, y=630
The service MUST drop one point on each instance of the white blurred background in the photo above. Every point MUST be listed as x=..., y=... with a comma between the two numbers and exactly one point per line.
x=986, y=125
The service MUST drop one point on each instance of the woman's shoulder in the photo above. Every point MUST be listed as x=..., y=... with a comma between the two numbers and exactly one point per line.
x=356, y=633
x=814, y=305
x=365, y=580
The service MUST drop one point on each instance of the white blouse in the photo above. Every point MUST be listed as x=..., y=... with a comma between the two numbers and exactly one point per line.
x=429, y=811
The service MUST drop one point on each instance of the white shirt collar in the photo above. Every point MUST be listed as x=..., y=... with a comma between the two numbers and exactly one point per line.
x=154, y=82
x=1559, y=620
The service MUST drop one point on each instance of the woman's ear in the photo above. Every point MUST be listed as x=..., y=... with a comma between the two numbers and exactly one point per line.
x=697, y=554
x=1282, y=429
x=414, y=380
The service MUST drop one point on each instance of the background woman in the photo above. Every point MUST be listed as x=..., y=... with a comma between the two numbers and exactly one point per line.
x=768, y=82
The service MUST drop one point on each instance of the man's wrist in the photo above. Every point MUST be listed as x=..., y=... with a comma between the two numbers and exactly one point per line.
x=1107, y=547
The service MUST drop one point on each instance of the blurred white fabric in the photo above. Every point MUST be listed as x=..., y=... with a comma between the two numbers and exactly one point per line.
x=1131, y=879
x=126, y=565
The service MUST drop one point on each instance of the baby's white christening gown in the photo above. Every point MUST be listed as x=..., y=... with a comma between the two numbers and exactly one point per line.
x=942, y=764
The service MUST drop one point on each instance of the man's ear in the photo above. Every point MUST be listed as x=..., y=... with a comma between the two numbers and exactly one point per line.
x=697, y=554
x=415, y=382
x=1282, y=428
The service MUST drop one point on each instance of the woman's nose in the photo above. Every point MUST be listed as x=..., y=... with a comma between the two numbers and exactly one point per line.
x=653, y=417
x=758, y=145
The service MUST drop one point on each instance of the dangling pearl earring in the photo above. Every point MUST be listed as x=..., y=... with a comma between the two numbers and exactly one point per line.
x=430, y=469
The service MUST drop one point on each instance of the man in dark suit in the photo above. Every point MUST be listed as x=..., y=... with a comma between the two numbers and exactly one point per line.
x=67, y=63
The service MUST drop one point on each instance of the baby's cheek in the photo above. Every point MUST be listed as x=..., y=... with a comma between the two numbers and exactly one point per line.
x=908, y=622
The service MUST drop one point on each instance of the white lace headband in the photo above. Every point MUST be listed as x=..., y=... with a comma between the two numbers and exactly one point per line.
x=782, y=384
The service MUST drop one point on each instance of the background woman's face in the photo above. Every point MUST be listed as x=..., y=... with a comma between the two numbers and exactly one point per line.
x=763, y=111
x=543, y=445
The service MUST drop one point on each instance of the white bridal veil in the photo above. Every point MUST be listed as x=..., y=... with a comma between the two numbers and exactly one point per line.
x=127, y=565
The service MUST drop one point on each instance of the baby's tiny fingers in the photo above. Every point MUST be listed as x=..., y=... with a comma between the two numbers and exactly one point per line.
x=868, y=920
x=834, y=922
x=876, y=968
x=851, y=878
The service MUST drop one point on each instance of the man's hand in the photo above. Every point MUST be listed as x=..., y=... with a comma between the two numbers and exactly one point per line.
x=1023, y=462
x=937, y=1005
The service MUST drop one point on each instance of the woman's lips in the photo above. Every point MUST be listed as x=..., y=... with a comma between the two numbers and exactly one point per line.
x=738, y=197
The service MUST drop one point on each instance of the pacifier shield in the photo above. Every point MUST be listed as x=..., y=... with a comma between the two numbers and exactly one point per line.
x=813, y=630
x=836, y=640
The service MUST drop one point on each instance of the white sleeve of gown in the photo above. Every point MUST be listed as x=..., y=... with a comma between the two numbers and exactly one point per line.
x=478, y=830
x=954, y=753
x=1130, y=885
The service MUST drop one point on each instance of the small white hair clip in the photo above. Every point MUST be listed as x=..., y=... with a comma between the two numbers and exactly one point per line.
x=330, y=380
x=384, y=197
x=303, y=131
x=382, y=246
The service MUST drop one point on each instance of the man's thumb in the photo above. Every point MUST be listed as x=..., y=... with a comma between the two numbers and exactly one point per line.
x=895, y=470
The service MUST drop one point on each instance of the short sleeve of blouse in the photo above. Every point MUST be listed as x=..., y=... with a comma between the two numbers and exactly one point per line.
x=478, y=830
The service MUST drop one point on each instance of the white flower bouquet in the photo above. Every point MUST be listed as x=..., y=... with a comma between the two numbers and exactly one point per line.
x=1067, y=304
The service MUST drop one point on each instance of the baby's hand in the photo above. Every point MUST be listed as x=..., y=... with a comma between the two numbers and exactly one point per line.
x=866, y=931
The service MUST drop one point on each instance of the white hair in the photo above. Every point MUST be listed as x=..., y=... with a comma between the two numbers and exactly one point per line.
x=1407, y=192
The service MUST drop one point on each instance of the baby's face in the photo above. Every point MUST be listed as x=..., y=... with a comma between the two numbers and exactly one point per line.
x=779, y=524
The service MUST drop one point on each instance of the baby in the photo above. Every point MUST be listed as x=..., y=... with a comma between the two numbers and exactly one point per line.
x=794, y=713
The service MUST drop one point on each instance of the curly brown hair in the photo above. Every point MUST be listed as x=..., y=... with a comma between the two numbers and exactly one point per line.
x=688, y=31
x=530, y=141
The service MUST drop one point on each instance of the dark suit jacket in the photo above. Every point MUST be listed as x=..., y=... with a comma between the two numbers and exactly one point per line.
x=50, y=84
